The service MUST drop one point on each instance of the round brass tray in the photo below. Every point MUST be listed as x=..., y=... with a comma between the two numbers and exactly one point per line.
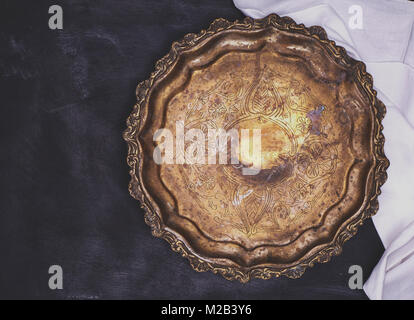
x=321, y=163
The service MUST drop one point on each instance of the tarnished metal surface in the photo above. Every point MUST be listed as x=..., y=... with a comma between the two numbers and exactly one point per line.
x=321, y=164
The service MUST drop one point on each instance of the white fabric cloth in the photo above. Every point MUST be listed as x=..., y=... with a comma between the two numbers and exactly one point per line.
x=386, y=45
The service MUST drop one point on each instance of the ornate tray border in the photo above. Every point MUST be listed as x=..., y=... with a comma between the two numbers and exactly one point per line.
x=134, y=159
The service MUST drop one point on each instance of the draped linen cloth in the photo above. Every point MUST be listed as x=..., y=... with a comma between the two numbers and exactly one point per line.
x=381, y=37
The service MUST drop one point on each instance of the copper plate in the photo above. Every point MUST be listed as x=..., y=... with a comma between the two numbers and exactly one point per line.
x=322, y=148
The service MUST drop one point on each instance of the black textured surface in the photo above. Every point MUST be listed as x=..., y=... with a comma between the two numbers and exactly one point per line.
x=65, y=96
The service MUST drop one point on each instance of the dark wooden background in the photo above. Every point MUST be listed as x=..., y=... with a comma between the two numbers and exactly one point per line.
x=64, y=96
